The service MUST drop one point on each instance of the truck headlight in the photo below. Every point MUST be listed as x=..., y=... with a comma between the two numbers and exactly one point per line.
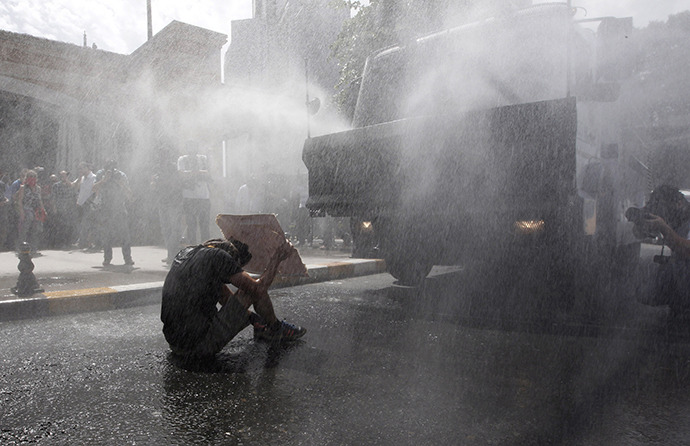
x=366, y=227
x=526, y=227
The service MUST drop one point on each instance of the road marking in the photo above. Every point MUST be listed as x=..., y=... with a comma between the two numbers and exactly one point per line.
x=79, y=293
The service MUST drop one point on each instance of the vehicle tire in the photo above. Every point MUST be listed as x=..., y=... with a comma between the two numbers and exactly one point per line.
x=406, y=250
x=408, y=271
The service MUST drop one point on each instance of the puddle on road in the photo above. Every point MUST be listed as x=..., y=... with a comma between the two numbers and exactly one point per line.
x=57, y=281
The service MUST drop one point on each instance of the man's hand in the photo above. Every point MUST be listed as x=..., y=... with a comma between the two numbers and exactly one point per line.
x=284, y=251
x=651, y=224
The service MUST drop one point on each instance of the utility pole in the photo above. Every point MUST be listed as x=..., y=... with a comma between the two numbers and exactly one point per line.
x=569, y=56
x=148, y=19
x=306, y=83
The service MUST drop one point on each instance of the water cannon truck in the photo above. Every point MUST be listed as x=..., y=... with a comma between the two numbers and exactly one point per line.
x=496, y=142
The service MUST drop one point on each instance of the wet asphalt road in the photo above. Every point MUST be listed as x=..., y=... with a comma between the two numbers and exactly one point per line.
x=380, y=365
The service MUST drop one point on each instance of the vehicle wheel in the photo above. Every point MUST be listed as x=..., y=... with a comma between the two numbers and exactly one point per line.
x=408, y=271
x=406, y=251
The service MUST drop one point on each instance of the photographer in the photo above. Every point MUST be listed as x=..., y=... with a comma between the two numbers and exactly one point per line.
x=667, y=214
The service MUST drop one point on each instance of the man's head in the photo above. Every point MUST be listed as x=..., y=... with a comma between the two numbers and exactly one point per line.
x=31, y=178
x=235, y=248
x=111, y=164
x=84, y=168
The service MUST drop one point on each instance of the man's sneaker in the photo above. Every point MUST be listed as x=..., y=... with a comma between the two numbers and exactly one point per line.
x=284, y=333
x=129, y=262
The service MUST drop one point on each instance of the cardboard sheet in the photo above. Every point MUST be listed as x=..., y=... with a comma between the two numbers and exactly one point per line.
x=263, y=234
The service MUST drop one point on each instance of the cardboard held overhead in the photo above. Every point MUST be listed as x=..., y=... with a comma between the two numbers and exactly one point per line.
x=263, y=234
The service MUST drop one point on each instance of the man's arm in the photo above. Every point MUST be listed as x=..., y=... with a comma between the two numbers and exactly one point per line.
x=678, y=244
x=246, y=283
x=97, y=184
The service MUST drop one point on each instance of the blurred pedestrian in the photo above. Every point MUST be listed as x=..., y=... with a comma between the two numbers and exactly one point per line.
x=13, y=210
x=196, y=198
x=4, y=210
x=303, y=223
x=86, y=201
x=64, y=196
x=112, y=187
x=49, y=226
x=167, y=190
x=250, y=197
x=14, y=187
x=32, y=214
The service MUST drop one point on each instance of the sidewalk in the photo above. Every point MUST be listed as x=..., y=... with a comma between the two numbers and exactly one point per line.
x=74, y=281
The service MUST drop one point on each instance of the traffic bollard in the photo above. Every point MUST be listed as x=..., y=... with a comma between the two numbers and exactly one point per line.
x=26, y=284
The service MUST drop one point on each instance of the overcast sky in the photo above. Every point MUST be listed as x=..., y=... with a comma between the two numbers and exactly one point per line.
x=115, y=25
x=120, y=25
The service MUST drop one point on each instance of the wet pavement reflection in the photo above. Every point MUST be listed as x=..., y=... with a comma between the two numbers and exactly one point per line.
x=381, y=364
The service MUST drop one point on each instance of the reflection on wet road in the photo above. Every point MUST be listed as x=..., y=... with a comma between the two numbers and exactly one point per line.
x=381, y=364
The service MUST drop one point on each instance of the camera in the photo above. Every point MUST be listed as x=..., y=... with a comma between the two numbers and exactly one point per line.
x=636, y=215
x=664, y=201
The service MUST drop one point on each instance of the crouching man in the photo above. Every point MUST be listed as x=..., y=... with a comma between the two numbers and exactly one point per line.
x=192, y=323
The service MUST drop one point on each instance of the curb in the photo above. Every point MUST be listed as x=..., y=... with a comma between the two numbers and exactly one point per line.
x=323, y=272
x=85, y=300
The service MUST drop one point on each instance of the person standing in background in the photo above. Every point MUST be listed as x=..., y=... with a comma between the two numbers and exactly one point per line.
x=4, y=210
x=303, y=223
x=167, y=191
x=13, y=211
x=14, y=187
x=31, y=212
x=87, y=206
x=50, y=225
x=250, y=197
x=65, y=204
x=113, y=189
x=196, y=198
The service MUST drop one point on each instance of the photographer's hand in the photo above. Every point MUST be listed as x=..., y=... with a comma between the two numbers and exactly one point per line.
x=678, y=244
x=653, y=224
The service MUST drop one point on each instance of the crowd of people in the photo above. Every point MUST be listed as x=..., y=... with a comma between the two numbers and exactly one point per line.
x=88, y=209
x=62, y=211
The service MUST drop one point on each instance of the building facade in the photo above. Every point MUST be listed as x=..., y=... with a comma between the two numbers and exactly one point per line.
x=61, y=103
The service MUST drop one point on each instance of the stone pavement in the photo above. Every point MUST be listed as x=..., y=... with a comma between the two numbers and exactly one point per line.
x=75, y=281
